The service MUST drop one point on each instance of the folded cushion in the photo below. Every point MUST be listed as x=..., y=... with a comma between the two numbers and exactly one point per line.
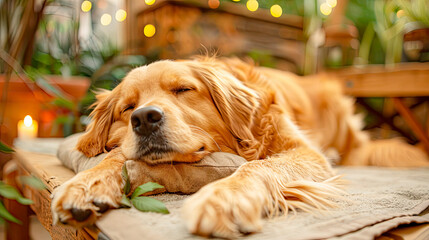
x=175, y=177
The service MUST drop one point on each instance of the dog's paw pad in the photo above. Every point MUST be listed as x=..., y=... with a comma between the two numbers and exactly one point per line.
x=80, y=215
x=81, y=200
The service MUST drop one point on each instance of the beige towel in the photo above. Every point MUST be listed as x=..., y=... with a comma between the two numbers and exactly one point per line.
x=379, y=199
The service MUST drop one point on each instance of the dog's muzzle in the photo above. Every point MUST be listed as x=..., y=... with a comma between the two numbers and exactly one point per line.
x=147, y=126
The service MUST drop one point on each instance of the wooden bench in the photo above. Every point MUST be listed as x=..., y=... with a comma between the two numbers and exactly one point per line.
x=52, y=173
x=50, y=170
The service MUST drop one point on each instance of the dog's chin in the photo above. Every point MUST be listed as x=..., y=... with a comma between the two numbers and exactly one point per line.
x=168, y=155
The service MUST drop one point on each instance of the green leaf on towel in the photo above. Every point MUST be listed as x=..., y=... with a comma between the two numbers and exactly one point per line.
x=125, y=202
x=147, y=204
x=147, y=187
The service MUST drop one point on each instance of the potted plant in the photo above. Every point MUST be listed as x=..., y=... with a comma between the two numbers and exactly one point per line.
x=29, y=91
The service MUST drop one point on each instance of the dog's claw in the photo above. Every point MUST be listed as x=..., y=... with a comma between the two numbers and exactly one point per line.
x=102, y=207
x=63, y=222
x=80, y=215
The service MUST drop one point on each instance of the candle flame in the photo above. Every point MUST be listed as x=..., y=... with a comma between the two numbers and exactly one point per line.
x=28, y=121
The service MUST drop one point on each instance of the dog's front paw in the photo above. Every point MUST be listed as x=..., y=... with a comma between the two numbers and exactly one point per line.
x=80, y=200
x=224, y=209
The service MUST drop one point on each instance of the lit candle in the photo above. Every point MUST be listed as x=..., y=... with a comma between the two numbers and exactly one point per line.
x=27, y=128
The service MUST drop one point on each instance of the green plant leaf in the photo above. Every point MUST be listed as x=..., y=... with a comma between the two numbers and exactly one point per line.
x=64, y=103
x=49, y=88
x=144, y=188
x=34, y=74
x=10, y=192
x=127, y=186
x=32, y=181
x=5, y=149
x=6, y=215
x=24, y=201
x=125, y=202
x=147, y=204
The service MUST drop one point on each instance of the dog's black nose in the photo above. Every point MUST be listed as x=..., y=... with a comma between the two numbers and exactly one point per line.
x=146, y=120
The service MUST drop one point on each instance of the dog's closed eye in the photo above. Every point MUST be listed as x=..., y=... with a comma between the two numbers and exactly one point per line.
x=181, y=90
x=128, y=107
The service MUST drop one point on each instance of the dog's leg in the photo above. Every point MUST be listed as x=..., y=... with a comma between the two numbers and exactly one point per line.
x=81, y=199
x=297, y=178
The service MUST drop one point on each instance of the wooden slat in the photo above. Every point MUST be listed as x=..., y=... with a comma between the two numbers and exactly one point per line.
x=45, y=167
x=403, y=80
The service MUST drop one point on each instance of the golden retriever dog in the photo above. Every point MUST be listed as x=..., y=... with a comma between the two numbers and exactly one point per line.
x=286, y=126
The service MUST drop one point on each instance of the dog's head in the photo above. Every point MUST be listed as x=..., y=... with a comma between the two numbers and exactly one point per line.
x=172, y=111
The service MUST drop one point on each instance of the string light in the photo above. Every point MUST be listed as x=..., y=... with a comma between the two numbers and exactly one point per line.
x=214, y=4
x=149, y=2
x=106, y=19
x=331, y=3
x=149, y=30
x=120, y=15
x=325, y=9
x=276, y=10
x=86, y=6
x=252, y=5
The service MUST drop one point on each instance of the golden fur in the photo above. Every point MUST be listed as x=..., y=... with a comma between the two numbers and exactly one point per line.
x=284, y=125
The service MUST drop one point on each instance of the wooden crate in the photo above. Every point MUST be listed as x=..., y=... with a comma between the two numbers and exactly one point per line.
x=186, y=28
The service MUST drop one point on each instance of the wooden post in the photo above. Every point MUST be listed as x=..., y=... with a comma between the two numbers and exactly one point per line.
x=411, y=121
x=21, y=212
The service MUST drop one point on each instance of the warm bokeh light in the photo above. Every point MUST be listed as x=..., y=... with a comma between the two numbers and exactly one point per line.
x=121, y=15
x=86, y=6
x=28, y=121
x=325, y=9
x=106, y=19
x=331, y=3
x=236, y=0
x=252, y=5
x=214, y=4
x=149, y=2
x=400, y=13
x=276, y=10
x=149, y=30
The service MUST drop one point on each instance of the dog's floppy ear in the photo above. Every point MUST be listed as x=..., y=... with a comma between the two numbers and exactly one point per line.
x=94, y=140
x=236, y=103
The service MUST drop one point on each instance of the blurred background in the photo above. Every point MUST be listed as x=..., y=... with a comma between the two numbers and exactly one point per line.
x=54, y=53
